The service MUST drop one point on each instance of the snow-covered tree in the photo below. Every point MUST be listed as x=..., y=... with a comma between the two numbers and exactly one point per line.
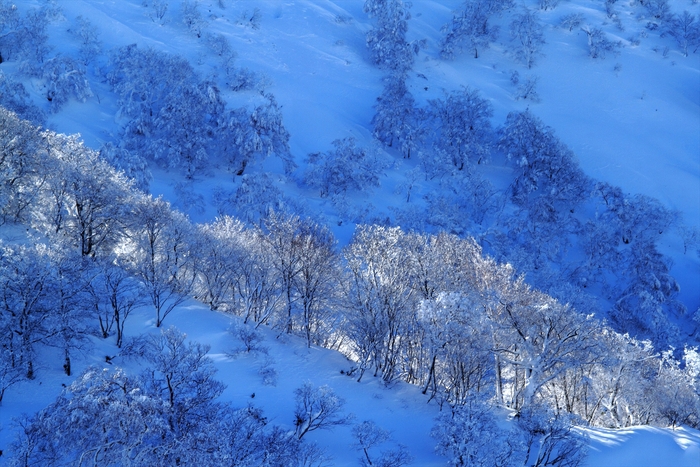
x=192, y=17
x=218, y=247
x=14, y=97
x=116, y=294
x=253, y=136
x=387, y=41
x=317, y=408
x=396, y=118
x=21, y=162
x=85, y=199
x=23, y=38
x=685, y=30
x=470, y=27
x=174, y=118
x=184, y=127
x=551, y=440
x=457, y=342
x=88, y=36
x=347, y=168
x=526, y=31
x=167, y=415
x=131, y=163
x=159, y=254
x=545, y=167
x=469, y=436
x=464, y=132
x=598, y=44
x=380, y=300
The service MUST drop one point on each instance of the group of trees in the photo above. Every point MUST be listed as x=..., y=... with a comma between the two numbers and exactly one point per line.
x=166, y=415
x=180, y=121
x=431, y=310
x=170, y=115
x=546, y=206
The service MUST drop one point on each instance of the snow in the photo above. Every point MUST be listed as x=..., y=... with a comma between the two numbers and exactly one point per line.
x=637, y=127
x=644, y=446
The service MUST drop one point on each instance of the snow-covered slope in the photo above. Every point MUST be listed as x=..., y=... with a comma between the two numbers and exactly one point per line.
x=632, y=120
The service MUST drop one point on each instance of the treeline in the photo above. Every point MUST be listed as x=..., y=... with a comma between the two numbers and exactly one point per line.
x=431, y=310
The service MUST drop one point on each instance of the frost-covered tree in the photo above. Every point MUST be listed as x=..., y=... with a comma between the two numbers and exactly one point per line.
x=14, y=97
x=347, y=168
x=457, y=341
x=24, y=38
x=470, y=27
x=192, y=17
x=258, y=293
x=304, y=256
x=571, y=21
x=678, y=402
x=174, y=118
x=64, y=79
x=130, y=163
x=685, y=30
x=185, y=125
x=217, y=245
x=659, y=10
x=368, y=435
x=181, y=375
x=84, y=199
x=317, y=408
x=598, y=44
x=253, y=136
x=380, y=300
x=167, y=415
x=526, y=31
x=542, y=339
x=464, y=131
x=21, y=162
x=645, y=306
x=88, y=36
x=387, y=41
x=397, y=120
x=158, y=253
x=116, y=294
x=27, y=304
x=156, y=10
x=71, y=303
x=551, y=440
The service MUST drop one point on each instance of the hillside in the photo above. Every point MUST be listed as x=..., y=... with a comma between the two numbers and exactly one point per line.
x=246, y=107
